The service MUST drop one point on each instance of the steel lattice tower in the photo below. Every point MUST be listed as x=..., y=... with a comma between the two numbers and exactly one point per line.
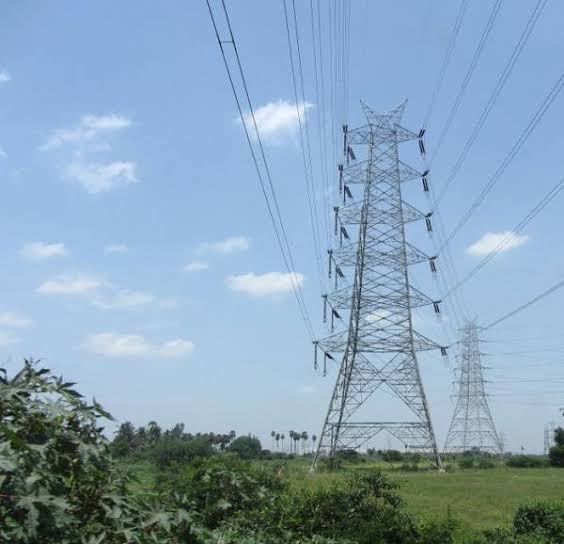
x=472, y=426
x=379, y=345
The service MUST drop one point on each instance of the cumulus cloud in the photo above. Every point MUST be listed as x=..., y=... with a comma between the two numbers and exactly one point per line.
x=116, y=248
x=9, y=319
x=111, y=344
x=196, y=266
x=278, y=120
x=5, y=76
x=124, y=299
x=102, y=177
x=39, y=251
x=500, y=241
x=70, y=284
x=88, y=129
x=232, y=244
x=264, y=285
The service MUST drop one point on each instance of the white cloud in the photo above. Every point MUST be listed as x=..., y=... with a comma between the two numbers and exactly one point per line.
x=75, y=284
x=39, y=251
x=279, y=119
x=5, y=76
x=116, y=248
x=231, y=244
x=196, y=266
x=307, y=389
x=102, y=177
x=7, y=338
x=501, y=241
x=112, y=344
x=3, y=153
x=124, y=299
x=9, y=319
x=88, y=129
x=264, y=285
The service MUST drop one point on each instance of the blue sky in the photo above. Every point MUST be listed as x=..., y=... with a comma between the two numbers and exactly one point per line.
x=138, y=257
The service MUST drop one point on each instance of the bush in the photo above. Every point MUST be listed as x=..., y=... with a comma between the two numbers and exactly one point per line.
x=171, y=451
x=246, y=447
x=57, y=480
x=556, y=456
x=391, y=456
x=526, y=461
x=466, y=462
x=222, y=487
x=544, y=518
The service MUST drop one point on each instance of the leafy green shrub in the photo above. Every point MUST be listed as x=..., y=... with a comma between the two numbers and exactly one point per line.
x=466, y=462
x=556, y=456
x=170, y=451
x=391, y=456
x=526, y=461
x=57, y=480
x=222, y=487
x=246, y=447
x=545, y=518
x=485, y=463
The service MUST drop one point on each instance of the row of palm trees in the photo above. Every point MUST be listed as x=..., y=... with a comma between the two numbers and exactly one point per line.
x=295, y=438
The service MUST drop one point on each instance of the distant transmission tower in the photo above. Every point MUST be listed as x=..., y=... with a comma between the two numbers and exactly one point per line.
x=374, y=298
x=549, y=429
x=472, y=426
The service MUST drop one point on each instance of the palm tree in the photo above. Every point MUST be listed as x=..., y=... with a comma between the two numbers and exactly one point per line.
x=277, y=438
x=282, y=437
x=291, y=434
x=273, y=434
x=313, y=441
x=297, y=437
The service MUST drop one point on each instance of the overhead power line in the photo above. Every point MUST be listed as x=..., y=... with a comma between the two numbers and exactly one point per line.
x=272, y=207
x=541, y=205
x=446, y=60
x=464, y=86
x=519, y=309
x=502, y=80
x=533, y=122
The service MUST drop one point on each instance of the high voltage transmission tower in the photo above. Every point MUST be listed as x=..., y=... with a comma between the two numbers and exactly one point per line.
x=373, y=296
x=472, y=426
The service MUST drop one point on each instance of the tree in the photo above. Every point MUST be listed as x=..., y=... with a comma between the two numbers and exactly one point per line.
x=272, y=435
x=125, y=440
x=282, y=437
x=246, y=447
x=153, y=432
x=556, y=453
x=277, y=438
x=313, y=441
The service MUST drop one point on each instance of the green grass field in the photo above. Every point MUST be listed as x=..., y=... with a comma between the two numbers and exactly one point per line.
x=479, y=499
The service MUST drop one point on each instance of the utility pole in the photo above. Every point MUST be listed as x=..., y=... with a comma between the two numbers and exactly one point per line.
x=373, y=297
x=472, y=426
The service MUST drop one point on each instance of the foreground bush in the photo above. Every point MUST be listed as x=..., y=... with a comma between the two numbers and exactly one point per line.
x=526, y=461
x=57, y=480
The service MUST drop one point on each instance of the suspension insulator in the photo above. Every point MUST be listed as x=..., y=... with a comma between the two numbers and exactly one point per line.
x=344, y=232
x=336, y=208
x=348, y=191
x=443, y=351
x=425, y=185
x=350, y=153
x=345, y=129
x=339, y=272
x=429, y=224
x=340, y=178
x=330, y=253
x=324, y=308
x=315, y=364
x=421, y=133
x=422, y=148
x=433, y=265
x=436, y=307
x=336, y=313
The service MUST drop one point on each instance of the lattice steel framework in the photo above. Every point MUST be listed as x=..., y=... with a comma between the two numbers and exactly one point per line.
x=472, y=426
x=379, y=344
